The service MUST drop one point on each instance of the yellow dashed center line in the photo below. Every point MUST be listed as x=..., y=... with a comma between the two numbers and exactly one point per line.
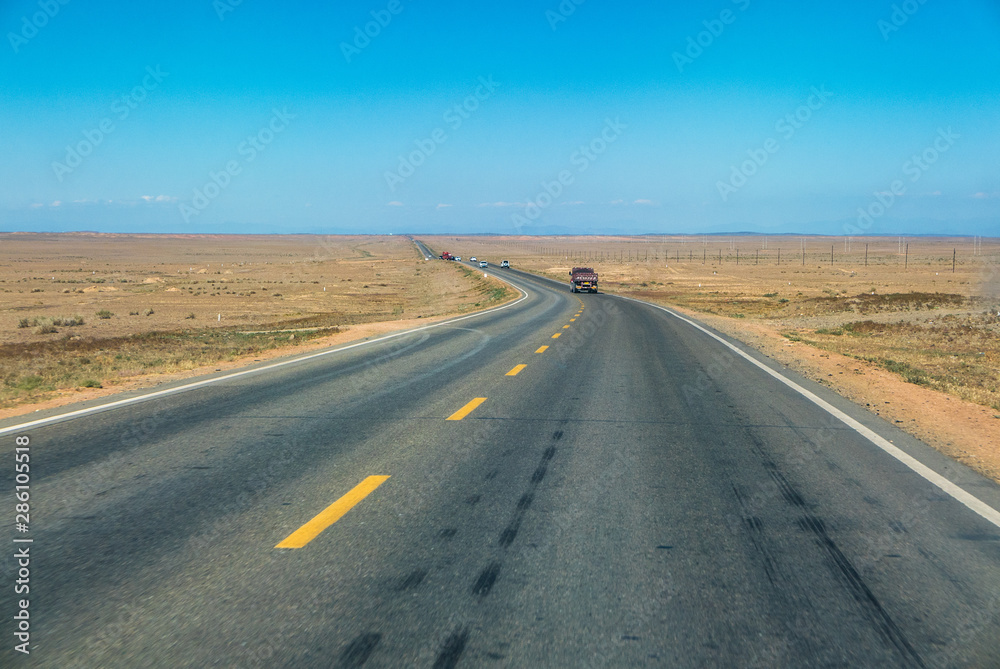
x=541, y=349
x=556, y=335
x=467, y=409
x=516, y=370
x=565, y=326
x=332, y=513
x=572, y=320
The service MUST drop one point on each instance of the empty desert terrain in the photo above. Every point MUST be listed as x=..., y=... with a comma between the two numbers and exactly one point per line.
x=84, y=314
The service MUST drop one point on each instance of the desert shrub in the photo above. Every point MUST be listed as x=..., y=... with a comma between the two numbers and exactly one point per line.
x=104, y=314
x=30, y=382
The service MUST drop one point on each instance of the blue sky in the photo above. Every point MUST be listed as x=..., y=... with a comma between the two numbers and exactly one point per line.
x=525, y=117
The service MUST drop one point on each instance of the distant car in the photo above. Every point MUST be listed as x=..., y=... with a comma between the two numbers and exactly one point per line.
x=505, y=263
x=483, y=263
x=458, y=258
x=473, y=258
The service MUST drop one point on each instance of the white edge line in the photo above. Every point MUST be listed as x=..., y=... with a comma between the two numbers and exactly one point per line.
x=959, y=494
x=190, y=386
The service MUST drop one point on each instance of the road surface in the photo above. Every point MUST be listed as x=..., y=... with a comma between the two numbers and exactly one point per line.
x=567, y=481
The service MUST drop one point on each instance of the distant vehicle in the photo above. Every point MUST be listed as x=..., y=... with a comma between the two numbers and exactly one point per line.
x=473, y=258
x=458, y=258
x=483, y=263
x=447, y=256
x=583, y=279
x=505, y=263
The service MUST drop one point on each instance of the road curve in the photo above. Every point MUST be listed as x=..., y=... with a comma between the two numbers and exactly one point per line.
x=570, y=481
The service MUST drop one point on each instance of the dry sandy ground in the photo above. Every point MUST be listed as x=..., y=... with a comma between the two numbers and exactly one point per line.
x=189, y=284
x=137, y=382
x=212, y=280
x=765, y=295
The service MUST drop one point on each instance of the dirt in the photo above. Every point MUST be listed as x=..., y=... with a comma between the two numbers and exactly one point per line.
x=81, y=310
x=145, y=381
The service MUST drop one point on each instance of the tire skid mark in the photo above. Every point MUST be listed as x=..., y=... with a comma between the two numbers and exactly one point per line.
x=359, y=650
x=870, y=604
x=412, y=580
x=451, y=651
x=523, y=504
x=755, y=531
x=487, y=577
x=864, y=596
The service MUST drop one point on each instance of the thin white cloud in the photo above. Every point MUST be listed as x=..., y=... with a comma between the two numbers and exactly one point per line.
x=56, y=203
x=572, y=204
x=618, y=202
x=983, y=196
x=500, y=204
x=443, y=206
x=646, y=202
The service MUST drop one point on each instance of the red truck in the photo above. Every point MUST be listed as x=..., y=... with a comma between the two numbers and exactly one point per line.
x=583, y=279
x=447, y=256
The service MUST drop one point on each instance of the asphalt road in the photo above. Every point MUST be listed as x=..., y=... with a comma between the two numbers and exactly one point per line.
x=635, y=495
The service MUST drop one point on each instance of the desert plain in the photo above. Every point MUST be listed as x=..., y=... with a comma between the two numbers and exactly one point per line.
x=86, y=314
x=907, y=327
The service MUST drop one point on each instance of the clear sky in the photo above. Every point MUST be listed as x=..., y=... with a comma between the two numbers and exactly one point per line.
x=518, y=117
